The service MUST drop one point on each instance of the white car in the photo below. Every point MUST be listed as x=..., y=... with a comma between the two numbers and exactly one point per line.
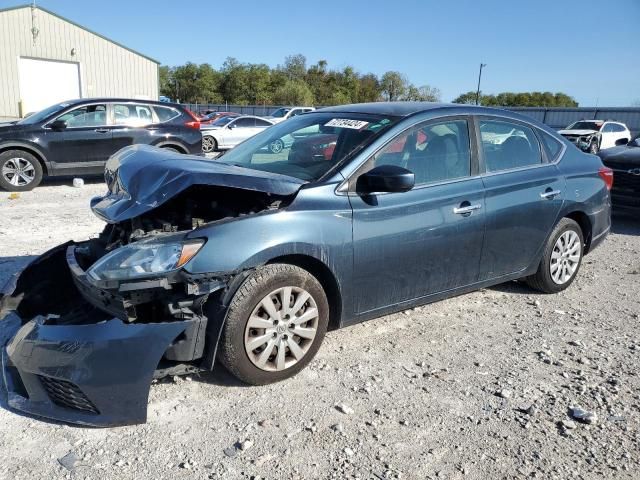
x=227, y=132
x=594, y=135
x=284, y=113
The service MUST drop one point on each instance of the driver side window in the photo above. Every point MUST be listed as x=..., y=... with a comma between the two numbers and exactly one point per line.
x=434, y=152
x=86, y=116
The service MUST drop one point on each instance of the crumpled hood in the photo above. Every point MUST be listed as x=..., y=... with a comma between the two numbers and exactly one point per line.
x=621, y=155
x=141, y=178
x=577, y=132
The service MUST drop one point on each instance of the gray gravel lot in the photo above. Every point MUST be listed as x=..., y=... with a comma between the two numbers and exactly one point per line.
x=478, y=386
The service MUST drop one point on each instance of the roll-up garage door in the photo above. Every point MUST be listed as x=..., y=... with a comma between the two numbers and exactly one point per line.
x=45, y=82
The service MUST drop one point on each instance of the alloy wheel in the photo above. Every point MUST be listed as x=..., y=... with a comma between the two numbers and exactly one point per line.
x=276, y=146
x=18, y=171
x=281, y=329
x=565, y=257
x=208, y=144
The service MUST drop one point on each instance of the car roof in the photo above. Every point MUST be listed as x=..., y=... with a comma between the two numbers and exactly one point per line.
x=79, y=101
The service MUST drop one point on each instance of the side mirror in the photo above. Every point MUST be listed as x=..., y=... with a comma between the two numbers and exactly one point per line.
x=231, y=126
x=58, y=125
x=386, y=178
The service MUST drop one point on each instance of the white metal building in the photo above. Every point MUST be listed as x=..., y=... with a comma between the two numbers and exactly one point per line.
x=45, y=59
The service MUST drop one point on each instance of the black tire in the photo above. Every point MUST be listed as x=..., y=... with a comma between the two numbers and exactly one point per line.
x=261, y=283
x=593, y=147
x=26, y=161
x=211, y=146
x=542, y=280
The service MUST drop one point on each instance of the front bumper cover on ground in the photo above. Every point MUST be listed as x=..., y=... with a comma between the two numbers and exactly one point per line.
x=96, y=374
x=96, y=371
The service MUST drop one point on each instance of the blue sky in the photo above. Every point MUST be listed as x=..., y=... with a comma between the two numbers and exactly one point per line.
x=586, y=48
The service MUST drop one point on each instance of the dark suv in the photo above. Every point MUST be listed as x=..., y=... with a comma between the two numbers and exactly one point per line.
x=77, y=137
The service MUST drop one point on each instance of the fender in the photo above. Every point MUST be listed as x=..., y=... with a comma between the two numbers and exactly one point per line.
x=48, y=166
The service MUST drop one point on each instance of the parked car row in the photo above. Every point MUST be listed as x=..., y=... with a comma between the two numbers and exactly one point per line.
x=595, y=135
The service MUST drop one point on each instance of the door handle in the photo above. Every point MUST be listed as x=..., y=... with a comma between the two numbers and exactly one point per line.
x=101, y=130
x=463, y=210
x=549, y=194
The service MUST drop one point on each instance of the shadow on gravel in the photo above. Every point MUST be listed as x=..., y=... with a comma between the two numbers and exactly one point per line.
x=514, y=287
x=625, y=224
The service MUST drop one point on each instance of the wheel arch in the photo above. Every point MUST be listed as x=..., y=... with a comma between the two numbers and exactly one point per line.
x=46, y=168
x=582, y=219
x=217, y=304
x=172, y=144
x=326, y=278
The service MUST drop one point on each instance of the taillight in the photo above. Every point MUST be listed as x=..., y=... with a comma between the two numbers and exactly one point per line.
x=606, y=174
x=194, y=123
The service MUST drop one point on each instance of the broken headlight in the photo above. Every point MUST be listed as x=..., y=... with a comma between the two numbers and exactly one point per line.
x=143, y=259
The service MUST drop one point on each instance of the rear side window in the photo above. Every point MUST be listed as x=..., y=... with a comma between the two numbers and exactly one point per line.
x=165, y=114
x=618, y=128
x=508, y=145
x=132, y=114
x=552, y=144
x=262, y=123
x=245, y=122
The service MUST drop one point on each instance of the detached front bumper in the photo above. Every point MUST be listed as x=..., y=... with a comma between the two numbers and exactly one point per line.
x=96, y=375
x=77, y=358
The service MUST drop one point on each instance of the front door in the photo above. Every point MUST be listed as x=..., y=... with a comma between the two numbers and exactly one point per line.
x=84, y=142
x=523, y=196
x=428, y=240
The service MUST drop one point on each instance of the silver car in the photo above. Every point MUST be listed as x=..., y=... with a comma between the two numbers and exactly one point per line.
x=227, y=132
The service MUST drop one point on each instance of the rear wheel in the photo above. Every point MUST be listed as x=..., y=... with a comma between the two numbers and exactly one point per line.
x=20, y=171
x=561, y=259
x=276, y=146
x=209, y=144
x=275, y=324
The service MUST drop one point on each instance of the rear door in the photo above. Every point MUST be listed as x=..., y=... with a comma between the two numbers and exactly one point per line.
x=427, y=240
x=132, y=124
x=524, y=194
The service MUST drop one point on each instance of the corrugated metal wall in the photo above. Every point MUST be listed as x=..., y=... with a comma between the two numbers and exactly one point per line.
x=106, y=69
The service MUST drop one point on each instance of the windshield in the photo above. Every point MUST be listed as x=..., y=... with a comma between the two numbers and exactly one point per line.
x=585, y=126
x=307, y=146
x=43, y=114
x=222, y=121
x=281, y=112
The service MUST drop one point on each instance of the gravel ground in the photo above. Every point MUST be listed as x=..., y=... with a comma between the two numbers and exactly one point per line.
x=478, y=386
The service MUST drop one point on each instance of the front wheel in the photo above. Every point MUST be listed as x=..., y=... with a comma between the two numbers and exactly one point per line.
x=19, y=171
x=593, y=147
x=275, y=324
x=561, y=259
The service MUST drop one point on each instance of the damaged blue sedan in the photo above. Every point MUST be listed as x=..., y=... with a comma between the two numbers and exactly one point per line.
x=249, y=259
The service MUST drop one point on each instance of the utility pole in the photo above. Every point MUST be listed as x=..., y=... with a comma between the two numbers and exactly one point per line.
x=482, y=65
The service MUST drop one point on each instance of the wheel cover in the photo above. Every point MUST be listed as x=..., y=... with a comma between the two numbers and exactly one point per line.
x=207, y=144
x=276, y=146
x=281, y=329
x=565, y=257
x=18, y=171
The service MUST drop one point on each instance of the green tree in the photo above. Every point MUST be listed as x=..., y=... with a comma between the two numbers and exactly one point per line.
x=519, y=99
x=293, y=92
x=369, y=89
x=468, y=98
x=422, y=94
x=393, y=85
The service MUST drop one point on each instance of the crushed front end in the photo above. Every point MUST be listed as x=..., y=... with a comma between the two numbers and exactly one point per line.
x=86, y=351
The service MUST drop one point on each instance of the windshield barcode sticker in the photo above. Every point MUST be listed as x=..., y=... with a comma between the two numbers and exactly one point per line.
x=346, y=123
